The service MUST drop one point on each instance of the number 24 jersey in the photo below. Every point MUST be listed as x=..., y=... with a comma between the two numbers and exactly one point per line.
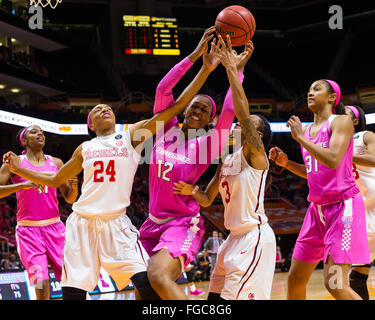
x=109, y=165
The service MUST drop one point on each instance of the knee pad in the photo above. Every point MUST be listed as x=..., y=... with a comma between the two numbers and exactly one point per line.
x=70, y=293
x=358, y=282
x=141, y=282
x=214, y=296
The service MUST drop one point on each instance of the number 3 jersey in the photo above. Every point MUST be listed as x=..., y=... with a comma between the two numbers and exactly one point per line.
x=328, y=185
x=242, y=191
x=109, y=165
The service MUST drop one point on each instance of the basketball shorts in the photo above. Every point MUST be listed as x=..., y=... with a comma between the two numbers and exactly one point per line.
x=338, y=230
x=99, y=241
x=40, y=246
x=245, y=265
x=182, y=237
x=370, y=224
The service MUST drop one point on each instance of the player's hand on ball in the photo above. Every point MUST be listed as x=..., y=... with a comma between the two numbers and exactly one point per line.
x=278, y=156
x=210, y=60
x=245, y=56
x=202, y=45
x=183, y=188
x=227, y=56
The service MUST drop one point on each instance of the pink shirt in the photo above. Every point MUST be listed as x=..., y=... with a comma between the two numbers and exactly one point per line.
x=328, y=185
x=172, y=161
x=30, y=204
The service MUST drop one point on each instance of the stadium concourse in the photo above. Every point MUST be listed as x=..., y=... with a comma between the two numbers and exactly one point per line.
x=87, y=53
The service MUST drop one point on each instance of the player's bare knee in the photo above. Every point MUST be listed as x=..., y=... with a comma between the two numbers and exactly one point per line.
x=335, y=283
x=296, y=278
x=157, y=276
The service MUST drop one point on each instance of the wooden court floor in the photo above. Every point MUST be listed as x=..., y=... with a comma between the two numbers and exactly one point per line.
x=315, y=289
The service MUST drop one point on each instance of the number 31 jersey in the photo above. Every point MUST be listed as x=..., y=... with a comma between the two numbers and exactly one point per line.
x=328, y=185
x=109, y=165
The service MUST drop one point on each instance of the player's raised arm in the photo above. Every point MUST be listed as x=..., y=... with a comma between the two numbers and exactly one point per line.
x=69, y=170
x=210, y=62
x=253, y=148
x=164, y=95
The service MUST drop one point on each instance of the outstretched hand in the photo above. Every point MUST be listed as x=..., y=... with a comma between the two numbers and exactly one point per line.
x=245, y=56
x=229, y=57
x=183, y=188
x=202, y=45
x=210, y=59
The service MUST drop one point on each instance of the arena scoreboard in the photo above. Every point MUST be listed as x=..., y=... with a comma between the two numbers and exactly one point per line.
x=150, y=35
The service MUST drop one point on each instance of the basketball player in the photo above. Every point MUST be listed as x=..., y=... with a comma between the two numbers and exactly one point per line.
x=98, y=232
x=246, y=260
x=334, y=228
x=40, y=234
x=173, y=232
x=364, y=173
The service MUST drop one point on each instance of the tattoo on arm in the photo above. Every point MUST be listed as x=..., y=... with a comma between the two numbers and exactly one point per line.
x=251, y=136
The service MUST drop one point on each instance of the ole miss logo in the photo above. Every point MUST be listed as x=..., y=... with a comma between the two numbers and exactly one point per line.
x=251, y=296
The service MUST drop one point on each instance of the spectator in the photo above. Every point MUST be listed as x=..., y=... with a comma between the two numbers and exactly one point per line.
x=280, y=261
x=212, y=246
x=4, y=263
x=14, y=263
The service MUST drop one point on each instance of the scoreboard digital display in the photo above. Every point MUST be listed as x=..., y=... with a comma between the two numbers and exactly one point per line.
x=150, y=35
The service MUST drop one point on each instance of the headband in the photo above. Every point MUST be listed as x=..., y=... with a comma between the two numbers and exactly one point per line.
x=354, y=110
x=212, y=102
x=21, y=137
x=88, y=121
x=336, y=89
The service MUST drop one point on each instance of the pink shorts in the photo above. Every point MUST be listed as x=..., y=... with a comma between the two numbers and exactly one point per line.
x=182, y=237
x=40, y=246
x=338, y=230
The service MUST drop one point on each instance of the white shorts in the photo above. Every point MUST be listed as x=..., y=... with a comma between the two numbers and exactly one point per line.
x=94, y=242
x=245, y=265
x=370, y=226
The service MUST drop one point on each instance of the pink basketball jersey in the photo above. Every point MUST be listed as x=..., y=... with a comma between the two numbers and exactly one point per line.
x=172, y=161
x=328, y=185
x=32, y=205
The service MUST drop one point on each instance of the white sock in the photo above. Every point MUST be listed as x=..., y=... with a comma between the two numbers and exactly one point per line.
x=192, y=287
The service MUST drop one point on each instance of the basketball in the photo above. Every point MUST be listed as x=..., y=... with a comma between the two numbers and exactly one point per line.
x=237, y=22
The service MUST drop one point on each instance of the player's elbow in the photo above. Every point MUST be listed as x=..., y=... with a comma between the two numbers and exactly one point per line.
x=333, y=163
x=54, y=182
x=206, y=202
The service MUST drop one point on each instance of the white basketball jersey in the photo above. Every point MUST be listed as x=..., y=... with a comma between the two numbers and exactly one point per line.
x=366, y=174
x=365, y=177
x=242, y=190
x=109, y=165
